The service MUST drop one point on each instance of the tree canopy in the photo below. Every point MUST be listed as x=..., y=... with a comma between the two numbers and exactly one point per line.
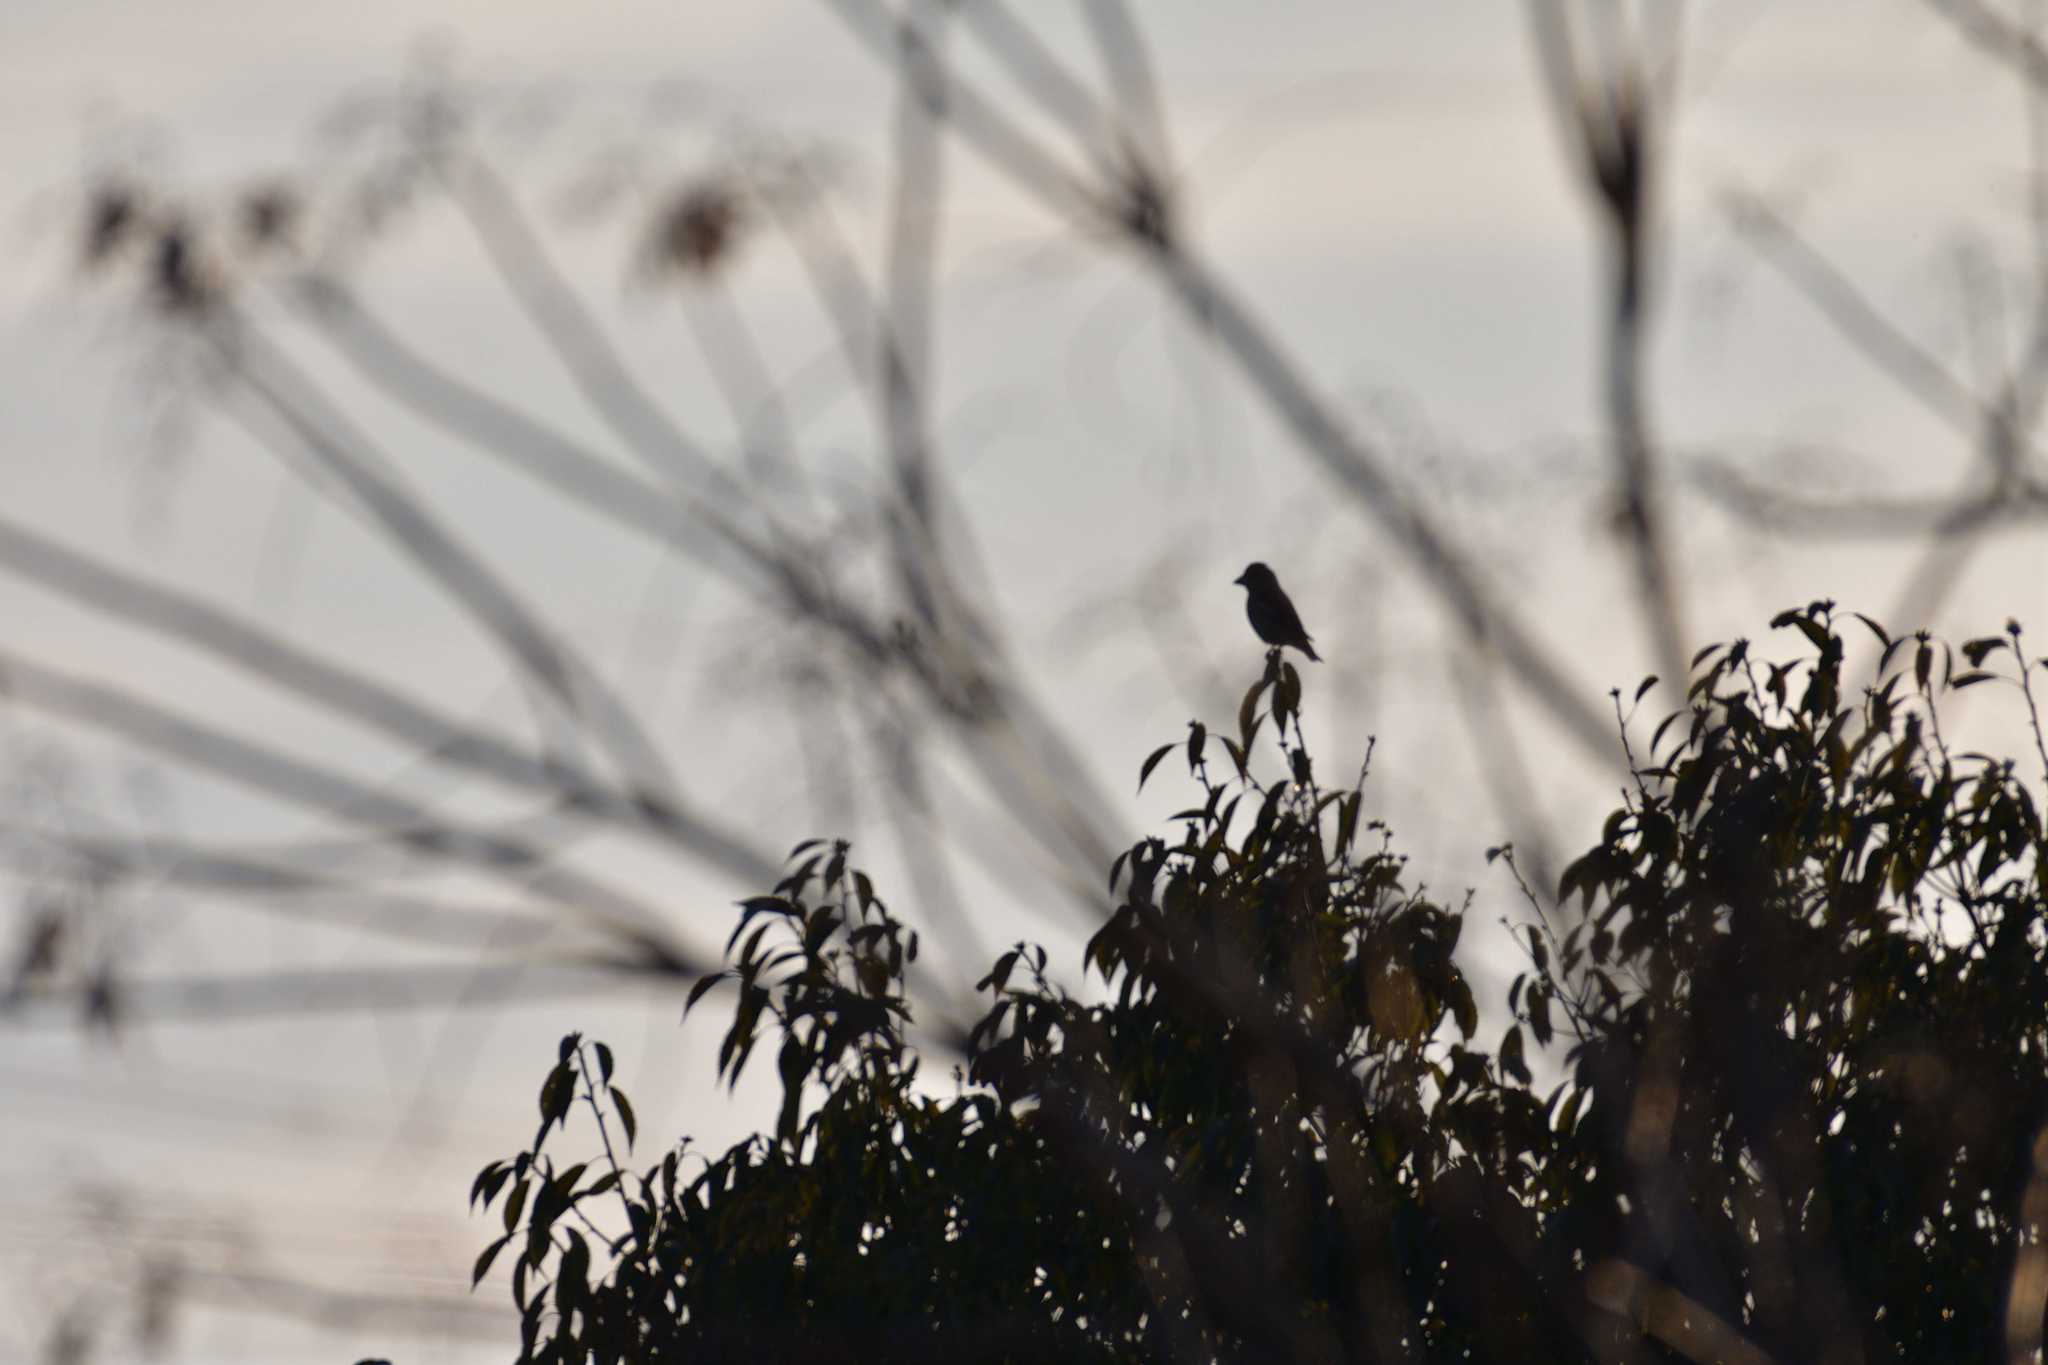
x=1769, y=1087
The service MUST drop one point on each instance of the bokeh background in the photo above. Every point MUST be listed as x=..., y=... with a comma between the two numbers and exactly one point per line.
x=897, y=497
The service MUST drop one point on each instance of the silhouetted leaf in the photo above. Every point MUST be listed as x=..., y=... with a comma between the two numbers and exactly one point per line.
x=1976, y=651
x=483, y=1262
x=1511, y=1055
x=703, y=987
x=487, y=1183
x=1247, y=711
x=1151, y=762
x=556, y=1093
x=516, y=1205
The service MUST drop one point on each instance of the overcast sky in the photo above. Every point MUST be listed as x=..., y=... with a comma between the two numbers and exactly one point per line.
x=1383, y=180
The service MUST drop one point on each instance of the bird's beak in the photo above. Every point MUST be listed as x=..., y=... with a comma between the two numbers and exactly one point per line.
x=1239, y=580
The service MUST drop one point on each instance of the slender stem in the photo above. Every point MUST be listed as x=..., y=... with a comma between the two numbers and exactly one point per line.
x=611, y=1157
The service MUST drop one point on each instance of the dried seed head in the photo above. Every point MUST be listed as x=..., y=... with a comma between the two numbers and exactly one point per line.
x=696, y=230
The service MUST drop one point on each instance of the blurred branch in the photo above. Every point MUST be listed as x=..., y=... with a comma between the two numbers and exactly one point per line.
x=983, y=708
x=436, y=1316
x=1854, y=317
x=1856, y=517
x=1609, y=105
x=1134, y=208
x=1127, y=68
x=958, y=662
x=1012, y=151
x=1993, y=425
x=1997, y=36
x=307, y=784
x=1049, y=84
x=559, y=316
x=347, y=456
x=362, y=698
x=283, y=890
x=740, y=371
x=1443, y=565
x=903, y=355
x=2030, y=382
x=220, y=999
x=676, y=519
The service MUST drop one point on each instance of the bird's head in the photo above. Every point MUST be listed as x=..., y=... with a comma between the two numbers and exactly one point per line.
x=1256, y=575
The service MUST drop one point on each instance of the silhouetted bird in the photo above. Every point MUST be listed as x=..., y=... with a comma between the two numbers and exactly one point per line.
x=1272, y=615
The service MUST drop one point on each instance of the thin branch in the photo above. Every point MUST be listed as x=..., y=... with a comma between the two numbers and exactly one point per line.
x=346, y=455
x=503, y=431
x=1129, y=71
x=1364, y=472
x=283, y=890
x=1822, y=284
x=962, y=668
x=364, y=699
x=904, y=356
x=1048, y=82
x=994, y=135
x=1273, y=374
x=734, y=360
x=2028, y=389
x=1856, y=517
x=1997, y=36
x=219, y=999
x=677, y=519
x=1992, y=425
x=566, y=325
x=1610, y=115
x=310, y=785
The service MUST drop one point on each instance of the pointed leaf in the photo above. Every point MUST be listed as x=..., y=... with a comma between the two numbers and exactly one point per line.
x=483, y=1262
x=484, y=1180
x=1511, y=1055
x=1150, y=763
x=702, y=988
x=625, y=1108
x=556, y=1093
x=516, y=1205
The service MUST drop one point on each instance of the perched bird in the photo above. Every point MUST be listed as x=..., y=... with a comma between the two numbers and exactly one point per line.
x=1272, y=615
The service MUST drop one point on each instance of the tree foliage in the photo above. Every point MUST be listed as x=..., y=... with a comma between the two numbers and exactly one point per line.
x=1788, y=1015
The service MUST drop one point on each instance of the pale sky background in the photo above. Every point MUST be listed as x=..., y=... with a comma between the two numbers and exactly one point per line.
x=1383, y=180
